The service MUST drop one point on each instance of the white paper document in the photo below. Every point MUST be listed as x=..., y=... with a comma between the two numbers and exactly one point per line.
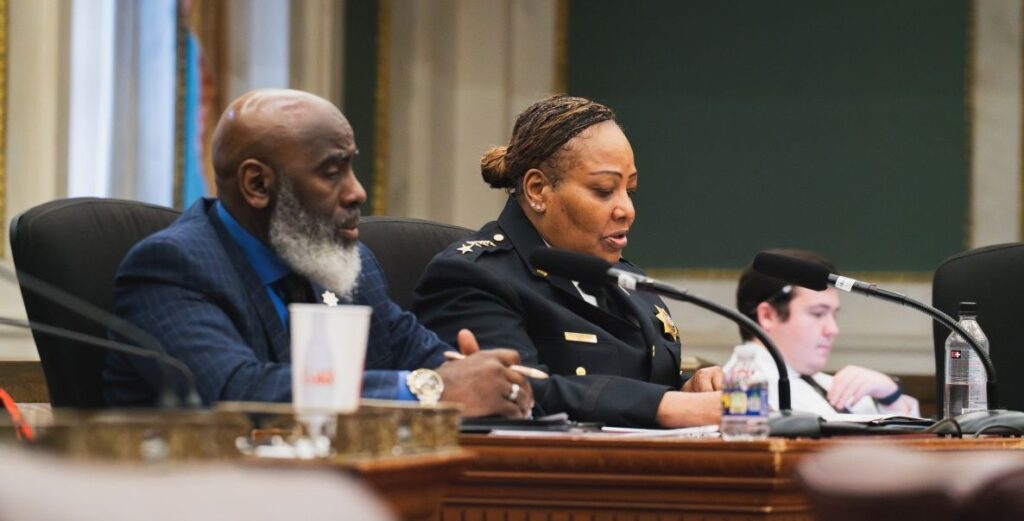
x=869, y=418
x=702, y=431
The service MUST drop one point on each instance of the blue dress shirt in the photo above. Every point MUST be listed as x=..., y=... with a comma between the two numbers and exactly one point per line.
x=270, y=269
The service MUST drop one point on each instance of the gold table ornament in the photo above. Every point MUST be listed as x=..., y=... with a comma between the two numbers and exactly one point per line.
x=378, y=429
x=141, y=435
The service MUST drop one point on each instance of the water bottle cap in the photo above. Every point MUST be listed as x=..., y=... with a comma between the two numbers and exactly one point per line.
x=969, y=308
x=747, y=350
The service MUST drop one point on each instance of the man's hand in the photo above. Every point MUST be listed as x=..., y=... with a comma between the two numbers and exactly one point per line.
x=705, y=379
x=852, y=383
x=483, y=381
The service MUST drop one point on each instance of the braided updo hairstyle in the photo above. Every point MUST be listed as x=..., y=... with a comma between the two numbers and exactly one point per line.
x=538, y=136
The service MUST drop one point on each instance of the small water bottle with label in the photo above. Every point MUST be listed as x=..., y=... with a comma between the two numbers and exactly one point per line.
x=745, y=398
x=965, y=375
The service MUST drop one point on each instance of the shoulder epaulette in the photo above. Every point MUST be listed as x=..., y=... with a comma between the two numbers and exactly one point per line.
x=482, y=242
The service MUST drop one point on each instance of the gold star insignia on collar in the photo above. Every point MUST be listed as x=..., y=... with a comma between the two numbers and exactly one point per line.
x=467, y=247
x=666, y=323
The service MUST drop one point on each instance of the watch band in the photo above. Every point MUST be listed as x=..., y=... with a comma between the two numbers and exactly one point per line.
x=895, y=395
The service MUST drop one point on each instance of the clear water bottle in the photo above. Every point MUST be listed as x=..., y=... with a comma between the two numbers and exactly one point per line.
x=965, y=375
x=745, y=398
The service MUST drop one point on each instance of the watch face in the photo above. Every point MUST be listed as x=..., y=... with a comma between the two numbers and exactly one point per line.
x=427, y=385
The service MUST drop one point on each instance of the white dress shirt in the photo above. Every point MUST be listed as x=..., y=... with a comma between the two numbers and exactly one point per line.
x=803, y=397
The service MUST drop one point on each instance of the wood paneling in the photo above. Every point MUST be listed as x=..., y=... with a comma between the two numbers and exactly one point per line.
x=548, y=478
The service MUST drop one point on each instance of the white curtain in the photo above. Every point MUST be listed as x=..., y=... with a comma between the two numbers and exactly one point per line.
x=122, y=100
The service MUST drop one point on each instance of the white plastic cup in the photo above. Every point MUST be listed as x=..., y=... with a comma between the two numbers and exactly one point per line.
x=328, y=353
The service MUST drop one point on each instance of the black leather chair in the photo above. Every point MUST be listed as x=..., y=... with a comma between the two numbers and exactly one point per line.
x=77, y=245
x=993, y=277
x=404, y=246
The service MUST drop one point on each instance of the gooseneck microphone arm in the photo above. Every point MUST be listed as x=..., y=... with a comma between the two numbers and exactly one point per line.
x=104, y=343
x=581, y=267
x=816, y=277
x=872, y=290
x=144, y=341
x=633, y=281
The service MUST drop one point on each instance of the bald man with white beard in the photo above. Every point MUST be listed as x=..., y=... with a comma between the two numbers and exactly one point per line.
x=214, y=286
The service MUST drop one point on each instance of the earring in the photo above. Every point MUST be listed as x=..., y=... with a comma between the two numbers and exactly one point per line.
x=536, y=206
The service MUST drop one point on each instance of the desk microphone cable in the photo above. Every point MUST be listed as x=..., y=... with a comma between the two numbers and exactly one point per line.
x=21, y=428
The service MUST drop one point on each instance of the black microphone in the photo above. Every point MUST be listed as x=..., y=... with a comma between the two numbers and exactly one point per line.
x=105, y=343
x=587, y=268
x=816, y=277
x=147, y=346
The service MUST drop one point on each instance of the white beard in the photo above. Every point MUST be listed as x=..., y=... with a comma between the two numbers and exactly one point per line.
x=311, y=246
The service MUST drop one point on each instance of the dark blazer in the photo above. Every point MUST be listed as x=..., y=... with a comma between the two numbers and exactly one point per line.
x=192, y=288
x=490, y=287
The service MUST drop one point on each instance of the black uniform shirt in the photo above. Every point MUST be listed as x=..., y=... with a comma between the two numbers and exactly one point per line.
x=604, y=366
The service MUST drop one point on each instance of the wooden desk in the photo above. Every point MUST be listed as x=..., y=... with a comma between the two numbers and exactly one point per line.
x=413, y=485
x=529, y=477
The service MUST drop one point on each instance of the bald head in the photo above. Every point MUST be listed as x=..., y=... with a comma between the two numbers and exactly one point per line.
x=266, y=124
x=267, y=140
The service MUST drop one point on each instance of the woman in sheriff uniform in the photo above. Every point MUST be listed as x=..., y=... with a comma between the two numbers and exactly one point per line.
x=613, y=356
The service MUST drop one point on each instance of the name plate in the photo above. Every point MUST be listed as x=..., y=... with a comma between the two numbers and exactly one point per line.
x=586, y=338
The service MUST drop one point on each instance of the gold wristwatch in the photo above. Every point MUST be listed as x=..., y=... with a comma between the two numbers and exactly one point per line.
x=426, y=385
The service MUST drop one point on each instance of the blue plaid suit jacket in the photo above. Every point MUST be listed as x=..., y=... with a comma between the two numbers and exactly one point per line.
x=192, y=288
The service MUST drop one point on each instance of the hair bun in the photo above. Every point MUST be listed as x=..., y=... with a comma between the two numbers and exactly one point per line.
x=494, y=169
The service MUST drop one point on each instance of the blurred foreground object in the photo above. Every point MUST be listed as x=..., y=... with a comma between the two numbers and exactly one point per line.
x=405, y=452
x=879, y=483
x=94, y=491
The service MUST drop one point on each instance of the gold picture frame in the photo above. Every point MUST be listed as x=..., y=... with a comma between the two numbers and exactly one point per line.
x=3, y=125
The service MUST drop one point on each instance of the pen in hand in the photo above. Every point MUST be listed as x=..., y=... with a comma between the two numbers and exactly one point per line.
x=528, y=372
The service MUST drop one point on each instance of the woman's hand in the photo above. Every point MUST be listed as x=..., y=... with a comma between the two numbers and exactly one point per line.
x=705, y=379
x=689, y=409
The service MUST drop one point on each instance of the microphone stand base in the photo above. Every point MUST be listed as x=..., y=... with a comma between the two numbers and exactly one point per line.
x=1000, y=422
x=792, y=424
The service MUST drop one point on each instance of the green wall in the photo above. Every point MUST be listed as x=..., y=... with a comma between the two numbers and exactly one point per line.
x=360, y=86
x=835, y=126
